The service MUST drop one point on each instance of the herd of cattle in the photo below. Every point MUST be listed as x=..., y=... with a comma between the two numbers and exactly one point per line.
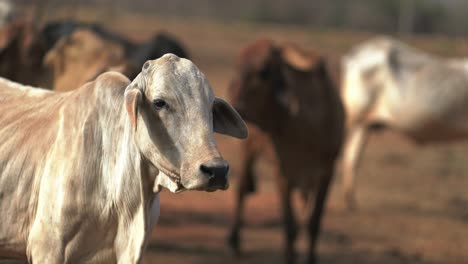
x=81, y=166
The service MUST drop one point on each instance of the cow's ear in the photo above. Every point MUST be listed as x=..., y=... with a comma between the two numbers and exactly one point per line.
x=300, y=59
x=133, y=98
x=52, y=62
x=227, y=121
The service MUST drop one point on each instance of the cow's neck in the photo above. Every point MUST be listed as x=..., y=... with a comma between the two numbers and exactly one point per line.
x=129, y=190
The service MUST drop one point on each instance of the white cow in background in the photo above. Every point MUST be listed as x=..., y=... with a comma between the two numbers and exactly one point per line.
x=389, y=84
x=7, y=12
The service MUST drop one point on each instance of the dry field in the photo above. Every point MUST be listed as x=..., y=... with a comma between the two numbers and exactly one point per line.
x=413, y=199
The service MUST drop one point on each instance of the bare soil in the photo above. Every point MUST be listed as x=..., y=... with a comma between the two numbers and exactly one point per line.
x=413, y=208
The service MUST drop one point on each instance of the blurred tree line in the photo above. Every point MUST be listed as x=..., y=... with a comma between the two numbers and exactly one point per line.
x=390, y=16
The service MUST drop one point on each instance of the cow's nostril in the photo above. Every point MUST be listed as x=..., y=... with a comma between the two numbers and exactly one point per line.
x=215, y=168
x=206, y=170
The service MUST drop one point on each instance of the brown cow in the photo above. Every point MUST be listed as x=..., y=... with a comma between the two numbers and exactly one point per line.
x=289, y=94
x=83, y=55
x=21, y=52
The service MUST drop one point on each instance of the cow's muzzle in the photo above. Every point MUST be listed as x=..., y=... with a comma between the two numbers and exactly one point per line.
x=209, y=176
x=216, y=172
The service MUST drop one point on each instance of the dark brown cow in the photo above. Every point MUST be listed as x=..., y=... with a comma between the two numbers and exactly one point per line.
x=21, y=52
x=289, y=94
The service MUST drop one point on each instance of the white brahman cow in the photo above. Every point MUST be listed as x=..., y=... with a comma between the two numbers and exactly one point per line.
x=389, y=84
x=80, y=171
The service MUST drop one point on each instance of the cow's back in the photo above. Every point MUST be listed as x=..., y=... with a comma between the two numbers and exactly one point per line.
x=48, y=145
x=388, y=82
x=27, y=130
x=435, y=97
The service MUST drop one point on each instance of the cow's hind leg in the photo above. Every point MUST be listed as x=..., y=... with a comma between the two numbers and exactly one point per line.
x=352, y=153
x=290, y=226
x=246, y=185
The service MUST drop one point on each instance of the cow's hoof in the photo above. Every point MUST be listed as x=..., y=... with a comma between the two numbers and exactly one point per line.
x=233, y=244
x=290, y=258
x=311, y=259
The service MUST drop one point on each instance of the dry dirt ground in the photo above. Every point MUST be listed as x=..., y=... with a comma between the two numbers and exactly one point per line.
x=413, y=200
x=413, y=209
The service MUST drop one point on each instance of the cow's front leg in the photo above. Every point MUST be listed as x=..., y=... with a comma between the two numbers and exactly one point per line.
x=46, y=246
x=133, y=235
x=246, y=185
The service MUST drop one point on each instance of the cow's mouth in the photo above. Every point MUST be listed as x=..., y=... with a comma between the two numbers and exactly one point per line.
x=207, y=184
x=216, y=188
x=175, y=176
x=172, y=181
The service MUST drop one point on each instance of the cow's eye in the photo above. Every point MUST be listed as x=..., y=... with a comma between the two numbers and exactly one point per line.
x=159, y=104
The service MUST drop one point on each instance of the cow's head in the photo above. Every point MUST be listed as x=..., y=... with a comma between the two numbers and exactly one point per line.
x=174, y=115
x=262, y=89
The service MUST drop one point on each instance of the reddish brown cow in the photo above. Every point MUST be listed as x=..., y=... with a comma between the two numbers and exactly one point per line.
x=289, y=94
x=21, y=51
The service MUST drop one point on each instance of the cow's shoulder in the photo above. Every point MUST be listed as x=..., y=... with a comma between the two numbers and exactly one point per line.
x=109, y=84
x=112, y=79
